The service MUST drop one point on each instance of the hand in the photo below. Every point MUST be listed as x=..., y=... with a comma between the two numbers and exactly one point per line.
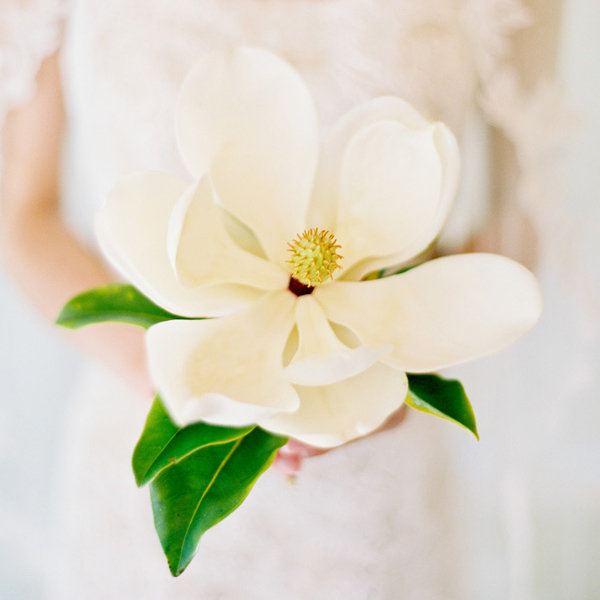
x=289, y=458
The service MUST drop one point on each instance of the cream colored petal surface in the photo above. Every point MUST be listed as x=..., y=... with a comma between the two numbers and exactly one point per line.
x=248, y=117
x=390, y=191
x=448, y=152
x=132, y=231
x=333, y=414
x=225, y=371
x=323, y=207
x=203, y=253
x=322, y=358
x=444, y=312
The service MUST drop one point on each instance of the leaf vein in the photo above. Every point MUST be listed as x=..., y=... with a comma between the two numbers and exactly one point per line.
x=208, y=487
x=178, y=459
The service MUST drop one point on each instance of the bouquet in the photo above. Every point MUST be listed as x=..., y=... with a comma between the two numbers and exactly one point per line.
x=281, y=286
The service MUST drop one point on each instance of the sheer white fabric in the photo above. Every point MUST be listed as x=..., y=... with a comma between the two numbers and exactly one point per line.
x=29, y=31
x=443, y=57
x=372, y=520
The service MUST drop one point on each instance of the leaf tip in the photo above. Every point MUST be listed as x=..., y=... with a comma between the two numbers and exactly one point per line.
x=174, y=569
x=178, y=567
x=63, y=320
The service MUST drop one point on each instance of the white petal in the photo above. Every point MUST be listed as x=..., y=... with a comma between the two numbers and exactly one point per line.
x=322, y=358
x=334, y=414
x=444, y=312
x=447, y=148
x=390, y=192
x=225, y=371
x=242, y=235
x=202, y=251
x=323, y=207
x=132, y=231
x=248, y=117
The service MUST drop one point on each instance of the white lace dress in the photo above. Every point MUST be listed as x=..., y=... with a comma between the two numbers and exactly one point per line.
x=370, y=521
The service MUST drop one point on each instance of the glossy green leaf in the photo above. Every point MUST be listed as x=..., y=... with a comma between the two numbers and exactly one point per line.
x=203, y=488
x=163, y=443
x=115, y=302
x=381, y=273
x=444, y=398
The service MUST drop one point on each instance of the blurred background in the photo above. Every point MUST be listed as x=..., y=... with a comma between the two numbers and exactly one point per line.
x=527, y=496
x=529, y=492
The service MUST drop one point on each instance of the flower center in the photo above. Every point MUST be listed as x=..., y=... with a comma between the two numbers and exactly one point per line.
x=314, y=258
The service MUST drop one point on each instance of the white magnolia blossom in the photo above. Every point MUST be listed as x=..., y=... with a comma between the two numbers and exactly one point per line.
x=329, y=365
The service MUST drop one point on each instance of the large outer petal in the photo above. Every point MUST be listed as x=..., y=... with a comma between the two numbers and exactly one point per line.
x=444, y=312
x=331, y=415
x=372, y=178
x=323, y=206
x=248, y=117
x=433, y=216
x=390, y=188
x=322, y=358
x=132, y=231
x=202, y=252
x=225, y=371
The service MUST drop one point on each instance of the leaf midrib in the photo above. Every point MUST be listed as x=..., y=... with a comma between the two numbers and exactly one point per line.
x=128, y=316
x=120, y=300
x=208, y=487
x=183, y=456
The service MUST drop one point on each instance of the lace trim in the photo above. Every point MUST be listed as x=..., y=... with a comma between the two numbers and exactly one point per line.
x=537, y=122
x=488, y=25
x=29, y=32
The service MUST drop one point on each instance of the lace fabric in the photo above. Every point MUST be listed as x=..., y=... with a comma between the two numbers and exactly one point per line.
x=29, y=32
x=460, y=47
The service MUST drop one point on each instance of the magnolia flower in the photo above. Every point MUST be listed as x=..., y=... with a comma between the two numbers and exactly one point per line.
x=273, y=239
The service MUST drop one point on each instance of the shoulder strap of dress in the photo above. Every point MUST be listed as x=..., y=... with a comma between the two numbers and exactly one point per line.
x=30, y=30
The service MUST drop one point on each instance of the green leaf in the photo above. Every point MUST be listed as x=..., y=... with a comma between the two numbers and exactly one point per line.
x=404, y=270
x=203, y=488
x=115, y=302
x=163, y=443
x=444, y=398
x=381, y=273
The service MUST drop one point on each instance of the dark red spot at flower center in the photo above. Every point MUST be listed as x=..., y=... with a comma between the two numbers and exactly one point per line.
x=298, y=288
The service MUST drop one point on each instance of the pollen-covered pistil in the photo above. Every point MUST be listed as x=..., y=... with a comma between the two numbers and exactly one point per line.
x=314, y=256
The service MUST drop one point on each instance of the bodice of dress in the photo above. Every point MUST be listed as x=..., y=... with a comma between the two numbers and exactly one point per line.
x=127, y=58
x=124, y=61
